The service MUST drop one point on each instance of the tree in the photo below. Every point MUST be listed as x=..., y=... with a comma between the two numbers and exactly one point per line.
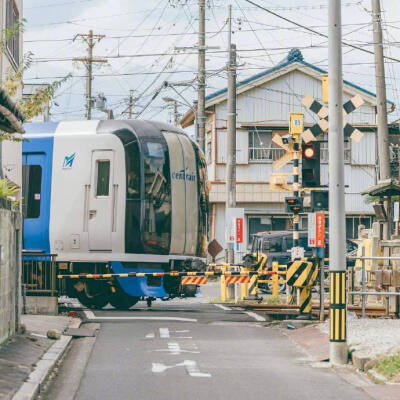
x=35, y=104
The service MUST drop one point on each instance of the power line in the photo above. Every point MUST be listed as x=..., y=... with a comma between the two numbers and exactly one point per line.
x=316, y=32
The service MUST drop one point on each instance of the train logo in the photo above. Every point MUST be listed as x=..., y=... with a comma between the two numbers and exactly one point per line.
x=184, y=175
x=69, y=160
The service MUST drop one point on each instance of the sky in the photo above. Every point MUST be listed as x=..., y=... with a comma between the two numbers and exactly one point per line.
x=143, y=43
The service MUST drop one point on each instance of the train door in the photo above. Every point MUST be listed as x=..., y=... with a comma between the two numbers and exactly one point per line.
x=100, y=202
x=35, y=201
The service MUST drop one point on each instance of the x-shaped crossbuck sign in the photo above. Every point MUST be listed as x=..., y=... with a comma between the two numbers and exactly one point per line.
x=322, y=125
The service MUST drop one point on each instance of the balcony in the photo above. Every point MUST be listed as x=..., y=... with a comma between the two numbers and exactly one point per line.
x=265, y=154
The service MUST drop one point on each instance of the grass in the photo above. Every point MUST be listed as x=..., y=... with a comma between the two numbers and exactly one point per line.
x=389, y=366
x=271, y=300
x=218, y=301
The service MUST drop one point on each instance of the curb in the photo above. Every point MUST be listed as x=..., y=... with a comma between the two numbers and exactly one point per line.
x=36, y=379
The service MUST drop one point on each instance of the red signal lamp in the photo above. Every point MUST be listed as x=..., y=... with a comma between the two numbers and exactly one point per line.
x=309, y=152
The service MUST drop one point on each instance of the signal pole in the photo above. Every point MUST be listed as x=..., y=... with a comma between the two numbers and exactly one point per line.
x=201, y=76
x=231, y=141
x=381, y=106
x=91, y=40
x=337, y=227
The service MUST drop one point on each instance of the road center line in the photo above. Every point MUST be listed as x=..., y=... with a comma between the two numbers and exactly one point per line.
x=223, y=307
x=255, y=316
x=91, y=316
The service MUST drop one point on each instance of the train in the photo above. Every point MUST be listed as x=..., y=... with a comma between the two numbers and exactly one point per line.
x=113, y=197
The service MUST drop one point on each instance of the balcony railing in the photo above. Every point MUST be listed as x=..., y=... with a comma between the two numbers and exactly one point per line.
x=265, y=153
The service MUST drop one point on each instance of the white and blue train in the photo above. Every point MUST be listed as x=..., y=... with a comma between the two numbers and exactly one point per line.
x=115, y=197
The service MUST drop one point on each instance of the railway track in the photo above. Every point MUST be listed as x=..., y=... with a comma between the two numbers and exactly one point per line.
x=285, y=309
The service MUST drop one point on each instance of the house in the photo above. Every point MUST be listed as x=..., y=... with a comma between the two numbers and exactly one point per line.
x=10, y=58
x=31, y=89
x=264, y=102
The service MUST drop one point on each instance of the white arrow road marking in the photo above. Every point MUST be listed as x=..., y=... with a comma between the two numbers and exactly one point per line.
x=90, y=315
x=191, y=368
x=164, y=333
x=175, y=349
x=150, y=335
x=222, y=307
x=255, y=316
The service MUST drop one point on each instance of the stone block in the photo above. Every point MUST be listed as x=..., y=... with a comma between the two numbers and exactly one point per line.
x=360, y=358
x=44, y=305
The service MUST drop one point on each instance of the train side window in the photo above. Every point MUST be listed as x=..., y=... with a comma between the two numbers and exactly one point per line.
x=32, y=177
x=103, y=178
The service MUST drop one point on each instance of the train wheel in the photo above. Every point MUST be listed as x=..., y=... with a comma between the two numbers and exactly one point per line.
x=189, y=290
x=94, y=297
x=122, y=301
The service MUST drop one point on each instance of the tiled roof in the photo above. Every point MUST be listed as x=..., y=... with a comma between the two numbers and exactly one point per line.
x=294, y=56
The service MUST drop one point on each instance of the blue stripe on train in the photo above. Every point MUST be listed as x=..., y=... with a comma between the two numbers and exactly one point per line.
x=138, y=286
x=39, y=151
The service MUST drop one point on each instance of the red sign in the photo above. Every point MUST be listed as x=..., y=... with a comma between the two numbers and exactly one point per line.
x=319, y=229
x=239, y=230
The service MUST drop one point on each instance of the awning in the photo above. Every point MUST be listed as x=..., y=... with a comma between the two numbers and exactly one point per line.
x=387, y=188
x=11, y=118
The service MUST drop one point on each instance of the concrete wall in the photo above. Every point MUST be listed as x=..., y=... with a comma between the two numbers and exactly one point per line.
x=10, y=274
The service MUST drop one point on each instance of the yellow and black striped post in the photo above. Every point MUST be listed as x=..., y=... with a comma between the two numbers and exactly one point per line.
x=337, y=309
x=305, y=303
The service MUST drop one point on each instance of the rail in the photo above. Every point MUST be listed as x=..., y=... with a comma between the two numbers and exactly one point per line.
x=39, y=274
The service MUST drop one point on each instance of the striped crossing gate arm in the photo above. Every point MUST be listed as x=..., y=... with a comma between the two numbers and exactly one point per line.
x=337, y=308
x=193, y=280
x=237, y=279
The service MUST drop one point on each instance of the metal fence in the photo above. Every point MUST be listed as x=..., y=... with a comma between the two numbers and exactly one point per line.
x=265, y=153
x=39, y=274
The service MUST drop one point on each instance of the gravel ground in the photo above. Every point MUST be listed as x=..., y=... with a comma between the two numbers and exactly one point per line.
x=376, y=336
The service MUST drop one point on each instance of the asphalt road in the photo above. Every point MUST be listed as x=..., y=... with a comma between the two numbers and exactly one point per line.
x=191, y=350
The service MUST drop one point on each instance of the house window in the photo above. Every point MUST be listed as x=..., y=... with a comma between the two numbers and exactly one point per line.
x=347, y=151
x=261, y=147
x=208, y=152
x=353, y=222
x=12, y=18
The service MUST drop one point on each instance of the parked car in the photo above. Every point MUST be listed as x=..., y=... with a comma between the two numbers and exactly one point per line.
x=277, y=246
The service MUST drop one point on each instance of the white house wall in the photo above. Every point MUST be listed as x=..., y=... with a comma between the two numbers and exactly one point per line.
x=274, y=101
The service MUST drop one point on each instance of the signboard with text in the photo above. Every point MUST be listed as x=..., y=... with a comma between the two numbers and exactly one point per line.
x=316, y=229
x=235, y=225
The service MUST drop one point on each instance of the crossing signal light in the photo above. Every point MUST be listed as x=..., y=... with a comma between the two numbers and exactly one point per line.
x=294, y=205
x=310, y=165
x=319, y=200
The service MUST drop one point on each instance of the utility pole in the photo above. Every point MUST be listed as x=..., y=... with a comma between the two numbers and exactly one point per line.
x=337, y=227
x=91, y=40
x=201, y=76
x=381, y=107
x=231, y=141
